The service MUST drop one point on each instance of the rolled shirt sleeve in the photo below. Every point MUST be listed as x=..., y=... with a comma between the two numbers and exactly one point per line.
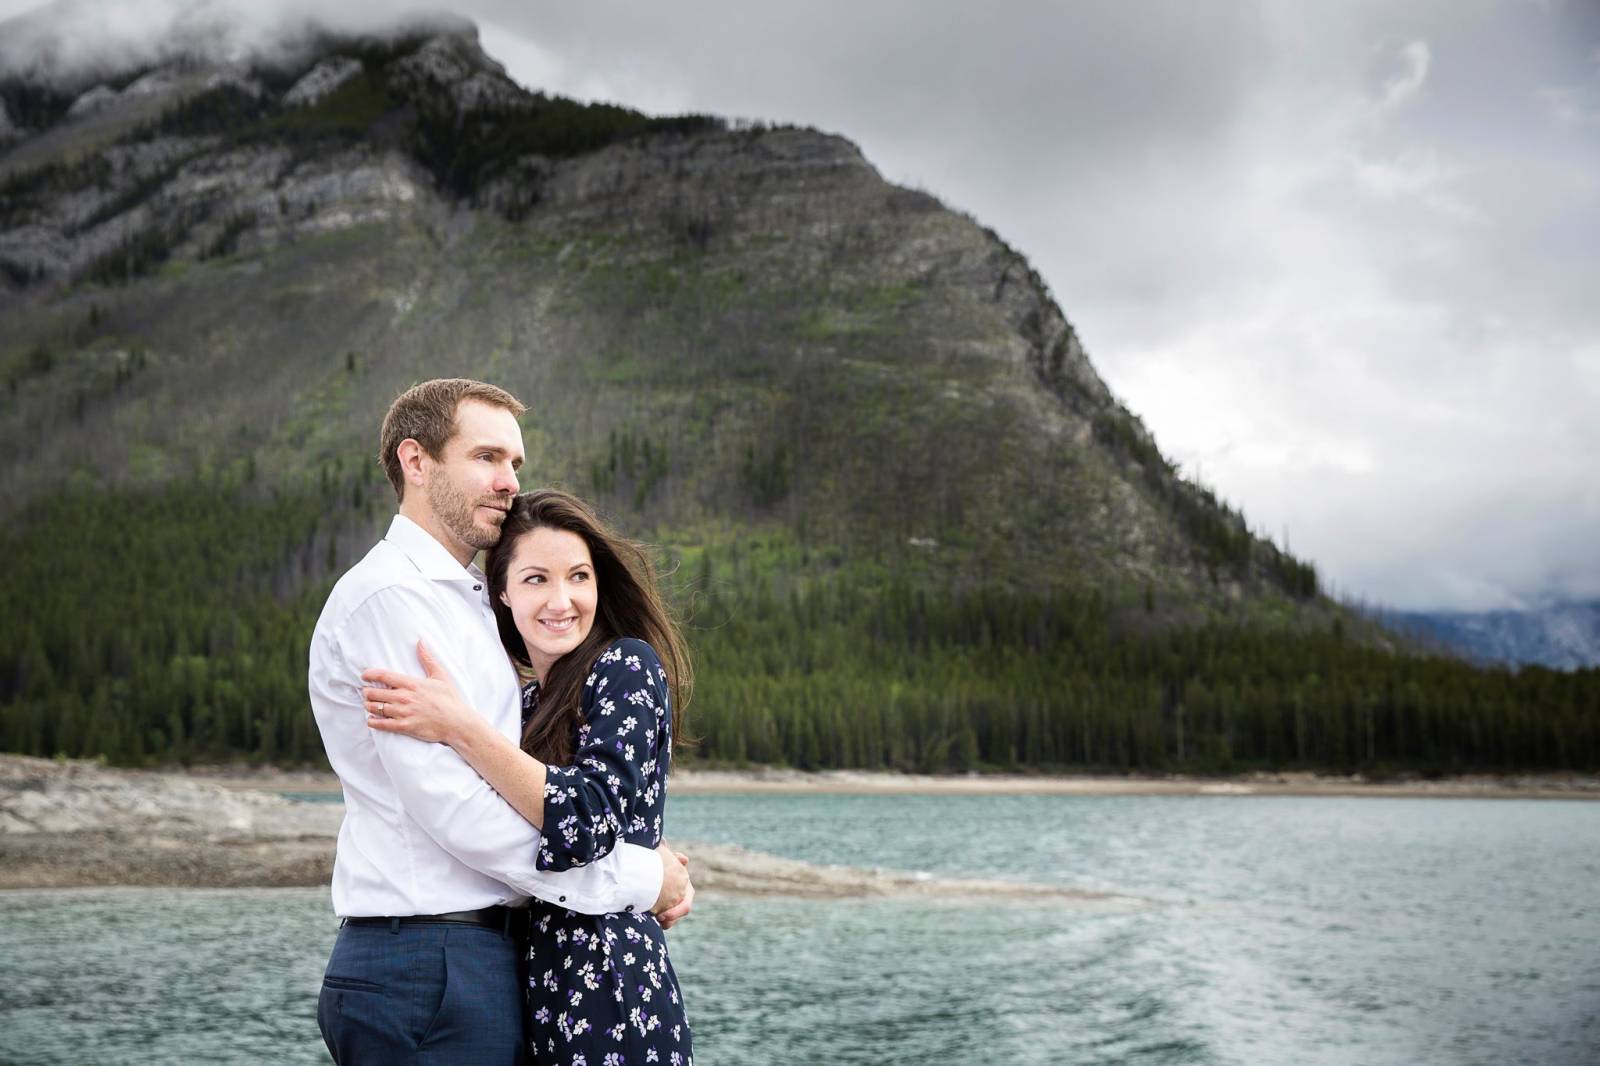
x=447, y=799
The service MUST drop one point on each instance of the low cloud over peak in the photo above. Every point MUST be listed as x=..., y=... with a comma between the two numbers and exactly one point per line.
x=72, y=43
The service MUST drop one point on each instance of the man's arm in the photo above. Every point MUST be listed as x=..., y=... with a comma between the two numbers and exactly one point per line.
x=451, y=803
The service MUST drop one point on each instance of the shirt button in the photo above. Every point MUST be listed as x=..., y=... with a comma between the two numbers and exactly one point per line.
x=629, y=907
x=477, y=588
x=563, y=899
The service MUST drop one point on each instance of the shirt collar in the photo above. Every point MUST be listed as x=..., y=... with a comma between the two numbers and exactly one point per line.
x=431, y=558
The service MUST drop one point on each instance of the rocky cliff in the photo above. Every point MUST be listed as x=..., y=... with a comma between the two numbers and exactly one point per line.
x=225, y=271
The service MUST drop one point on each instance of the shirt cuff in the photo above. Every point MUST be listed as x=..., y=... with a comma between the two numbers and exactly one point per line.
x=639, y=877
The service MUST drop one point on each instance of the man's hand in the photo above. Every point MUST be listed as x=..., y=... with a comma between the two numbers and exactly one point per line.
x=677, y=891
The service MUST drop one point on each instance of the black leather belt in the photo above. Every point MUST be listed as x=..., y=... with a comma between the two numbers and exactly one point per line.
x=501, y=919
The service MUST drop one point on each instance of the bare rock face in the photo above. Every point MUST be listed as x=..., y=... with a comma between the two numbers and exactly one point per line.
x=156, y=83
x=97, y=99
x=232, y=78
x=338, y=197
x=458, y=66
x=321, y=80
x=8, y=128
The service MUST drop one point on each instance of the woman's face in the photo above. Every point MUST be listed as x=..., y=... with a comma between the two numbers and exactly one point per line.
x=551, y=591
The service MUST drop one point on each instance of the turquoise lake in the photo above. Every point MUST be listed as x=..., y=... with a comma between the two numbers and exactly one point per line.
x=1243, y=930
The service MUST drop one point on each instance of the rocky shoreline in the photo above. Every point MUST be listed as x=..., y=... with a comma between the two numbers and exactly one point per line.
x=75, y=824
x=66, y=824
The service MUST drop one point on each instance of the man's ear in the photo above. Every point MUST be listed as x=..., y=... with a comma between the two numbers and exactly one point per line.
x=411, y=456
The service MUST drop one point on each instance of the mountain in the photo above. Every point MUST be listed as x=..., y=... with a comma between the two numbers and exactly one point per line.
x=907, y=521
x=797, y=343
x=1563, y=636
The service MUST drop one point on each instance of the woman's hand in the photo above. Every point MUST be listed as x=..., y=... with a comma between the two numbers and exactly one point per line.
x=428, y=708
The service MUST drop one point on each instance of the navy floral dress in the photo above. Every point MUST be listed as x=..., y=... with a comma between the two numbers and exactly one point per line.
x=601, y=991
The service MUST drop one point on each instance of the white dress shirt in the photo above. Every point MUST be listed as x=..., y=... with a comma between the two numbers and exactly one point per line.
x=422, y=832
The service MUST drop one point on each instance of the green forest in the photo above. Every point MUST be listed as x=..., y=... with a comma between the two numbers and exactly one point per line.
x=171, y=626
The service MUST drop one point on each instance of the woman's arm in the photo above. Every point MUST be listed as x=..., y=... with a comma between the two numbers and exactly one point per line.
x=431, y=709
x=590, y=806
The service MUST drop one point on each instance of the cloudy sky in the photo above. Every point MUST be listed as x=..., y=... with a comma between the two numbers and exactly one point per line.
x=1342, y=258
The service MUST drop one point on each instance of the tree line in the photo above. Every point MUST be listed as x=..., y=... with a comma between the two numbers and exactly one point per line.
x=172, y=626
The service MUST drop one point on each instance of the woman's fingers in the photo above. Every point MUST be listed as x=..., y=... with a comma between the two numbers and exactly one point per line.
x=391, y=678
x=386, y=695
x=430, y=665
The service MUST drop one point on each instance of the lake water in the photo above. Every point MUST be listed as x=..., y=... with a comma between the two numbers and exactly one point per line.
x=1246, y=930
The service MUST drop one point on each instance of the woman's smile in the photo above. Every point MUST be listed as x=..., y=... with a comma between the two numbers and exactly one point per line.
x=552, y=593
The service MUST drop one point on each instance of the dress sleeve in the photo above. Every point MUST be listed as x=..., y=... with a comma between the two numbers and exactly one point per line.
x=590, y=806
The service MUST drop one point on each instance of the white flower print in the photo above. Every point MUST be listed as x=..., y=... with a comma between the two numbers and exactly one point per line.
x=626, y=1004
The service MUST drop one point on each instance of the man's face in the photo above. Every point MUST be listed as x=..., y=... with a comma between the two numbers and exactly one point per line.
x=470, y=486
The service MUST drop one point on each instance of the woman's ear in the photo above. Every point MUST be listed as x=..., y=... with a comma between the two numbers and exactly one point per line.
x=504, y=600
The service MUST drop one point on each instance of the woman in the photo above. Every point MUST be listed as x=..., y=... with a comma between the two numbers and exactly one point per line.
x=579, y=610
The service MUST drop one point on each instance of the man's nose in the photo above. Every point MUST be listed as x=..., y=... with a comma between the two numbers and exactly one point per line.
x=506, y=481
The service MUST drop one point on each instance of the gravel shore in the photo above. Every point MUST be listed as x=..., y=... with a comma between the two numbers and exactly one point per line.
x=74, y=824
x=66, y=823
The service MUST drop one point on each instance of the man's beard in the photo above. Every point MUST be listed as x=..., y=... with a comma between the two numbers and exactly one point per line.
x=455, y=511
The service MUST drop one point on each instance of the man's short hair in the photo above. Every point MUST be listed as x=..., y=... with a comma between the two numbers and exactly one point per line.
x=426, y=413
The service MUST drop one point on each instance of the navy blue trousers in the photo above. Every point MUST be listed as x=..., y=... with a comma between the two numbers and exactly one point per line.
x=423, y=994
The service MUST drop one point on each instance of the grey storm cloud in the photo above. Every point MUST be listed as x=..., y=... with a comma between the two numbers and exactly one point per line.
x=1340, y=257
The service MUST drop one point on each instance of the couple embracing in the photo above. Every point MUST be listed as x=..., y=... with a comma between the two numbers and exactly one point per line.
x=499, y=734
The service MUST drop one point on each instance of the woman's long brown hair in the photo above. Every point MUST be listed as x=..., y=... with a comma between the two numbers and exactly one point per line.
x=630, y=605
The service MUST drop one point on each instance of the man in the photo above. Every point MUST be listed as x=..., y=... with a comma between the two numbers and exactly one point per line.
x=431, y=863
